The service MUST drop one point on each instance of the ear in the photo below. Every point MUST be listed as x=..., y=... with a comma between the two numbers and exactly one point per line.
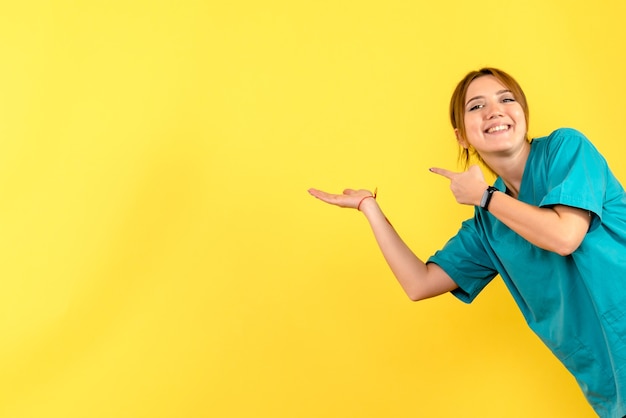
x=462, y=141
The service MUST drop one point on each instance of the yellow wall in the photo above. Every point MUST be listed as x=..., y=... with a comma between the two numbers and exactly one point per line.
x=159, y=254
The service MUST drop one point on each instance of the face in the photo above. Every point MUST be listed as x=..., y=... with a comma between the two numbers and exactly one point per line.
x=494, y=120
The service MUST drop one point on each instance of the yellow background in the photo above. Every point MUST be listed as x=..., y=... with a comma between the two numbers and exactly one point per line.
x=159, y=254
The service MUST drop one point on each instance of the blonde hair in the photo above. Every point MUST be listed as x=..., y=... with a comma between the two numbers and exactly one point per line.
x=457, y=105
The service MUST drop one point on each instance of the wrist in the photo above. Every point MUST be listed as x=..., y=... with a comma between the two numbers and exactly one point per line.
x=363, y=202
x=486, y=197
x=364, y=198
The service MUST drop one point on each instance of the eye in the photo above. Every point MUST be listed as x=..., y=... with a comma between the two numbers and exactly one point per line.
x=475, y=107
x=508, y=99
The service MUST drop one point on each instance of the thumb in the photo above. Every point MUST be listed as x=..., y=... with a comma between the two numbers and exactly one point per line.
x=476, y=171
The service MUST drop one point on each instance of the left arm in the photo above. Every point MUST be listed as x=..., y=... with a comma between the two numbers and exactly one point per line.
x=559, y=229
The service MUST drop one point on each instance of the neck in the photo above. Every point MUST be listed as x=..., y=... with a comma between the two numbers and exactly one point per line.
x=510, y=168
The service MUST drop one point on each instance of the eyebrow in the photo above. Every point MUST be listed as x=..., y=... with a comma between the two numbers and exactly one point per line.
x=499, y=92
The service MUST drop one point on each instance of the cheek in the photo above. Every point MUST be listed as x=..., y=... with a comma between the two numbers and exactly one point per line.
x=521, y=119
x=472, y=124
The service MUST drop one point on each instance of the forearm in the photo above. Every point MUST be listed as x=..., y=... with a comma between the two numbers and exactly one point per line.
x=416, y=278
x=560, y=229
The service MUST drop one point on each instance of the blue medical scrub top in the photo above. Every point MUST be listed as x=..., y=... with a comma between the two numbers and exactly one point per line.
x=576, y=304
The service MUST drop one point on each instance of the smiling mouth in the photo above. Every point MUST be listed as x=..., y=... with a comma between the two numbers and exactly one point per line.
x=498, y=128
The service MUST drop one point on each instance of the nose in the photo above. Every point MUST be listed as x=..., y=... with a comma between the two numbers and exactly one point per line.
x=495, y=111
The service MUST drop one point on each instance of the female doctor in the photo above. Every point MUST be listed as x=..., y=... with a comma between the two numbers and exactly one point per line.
x=553, y=226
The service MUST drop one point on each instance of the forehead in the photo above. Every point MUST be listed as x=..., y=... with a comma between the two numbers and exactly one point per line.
x=486, y=85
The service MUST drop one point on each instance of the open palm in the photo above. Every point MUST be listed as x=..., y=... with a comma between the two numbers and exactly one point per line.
x=348, y=199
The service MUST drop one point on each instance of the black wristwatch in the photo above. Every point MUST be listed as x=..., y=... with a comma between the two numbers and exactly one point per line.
x=484, y=202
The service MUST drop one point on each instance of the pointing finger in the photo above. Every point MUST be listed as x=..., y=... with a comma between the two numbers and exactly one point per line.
x=443, y=172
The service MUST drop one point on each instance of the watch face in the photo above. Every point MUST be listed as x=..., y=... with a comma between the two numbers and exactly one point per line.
x=484, y=201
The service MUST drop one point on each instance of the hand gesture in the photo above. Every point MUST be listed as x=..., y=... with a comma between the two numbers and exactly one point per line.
x=348, y=199
x=468, y=186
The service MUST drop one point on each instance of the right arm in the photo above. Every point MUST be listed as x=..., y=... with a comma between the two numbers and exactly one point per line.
x=419, y=280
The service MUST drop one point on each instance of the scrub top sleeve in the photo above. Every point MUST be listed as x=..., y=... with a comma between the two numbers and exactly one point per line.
x=465, y=259
x=576, y=172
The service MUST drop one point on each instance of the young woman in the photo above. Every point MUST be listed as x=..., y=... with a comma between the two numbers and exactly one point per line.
x=553, y=226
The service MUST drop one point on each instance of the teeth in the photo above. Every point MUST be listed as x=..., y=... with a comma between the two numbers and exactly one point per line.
x=498, y=128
